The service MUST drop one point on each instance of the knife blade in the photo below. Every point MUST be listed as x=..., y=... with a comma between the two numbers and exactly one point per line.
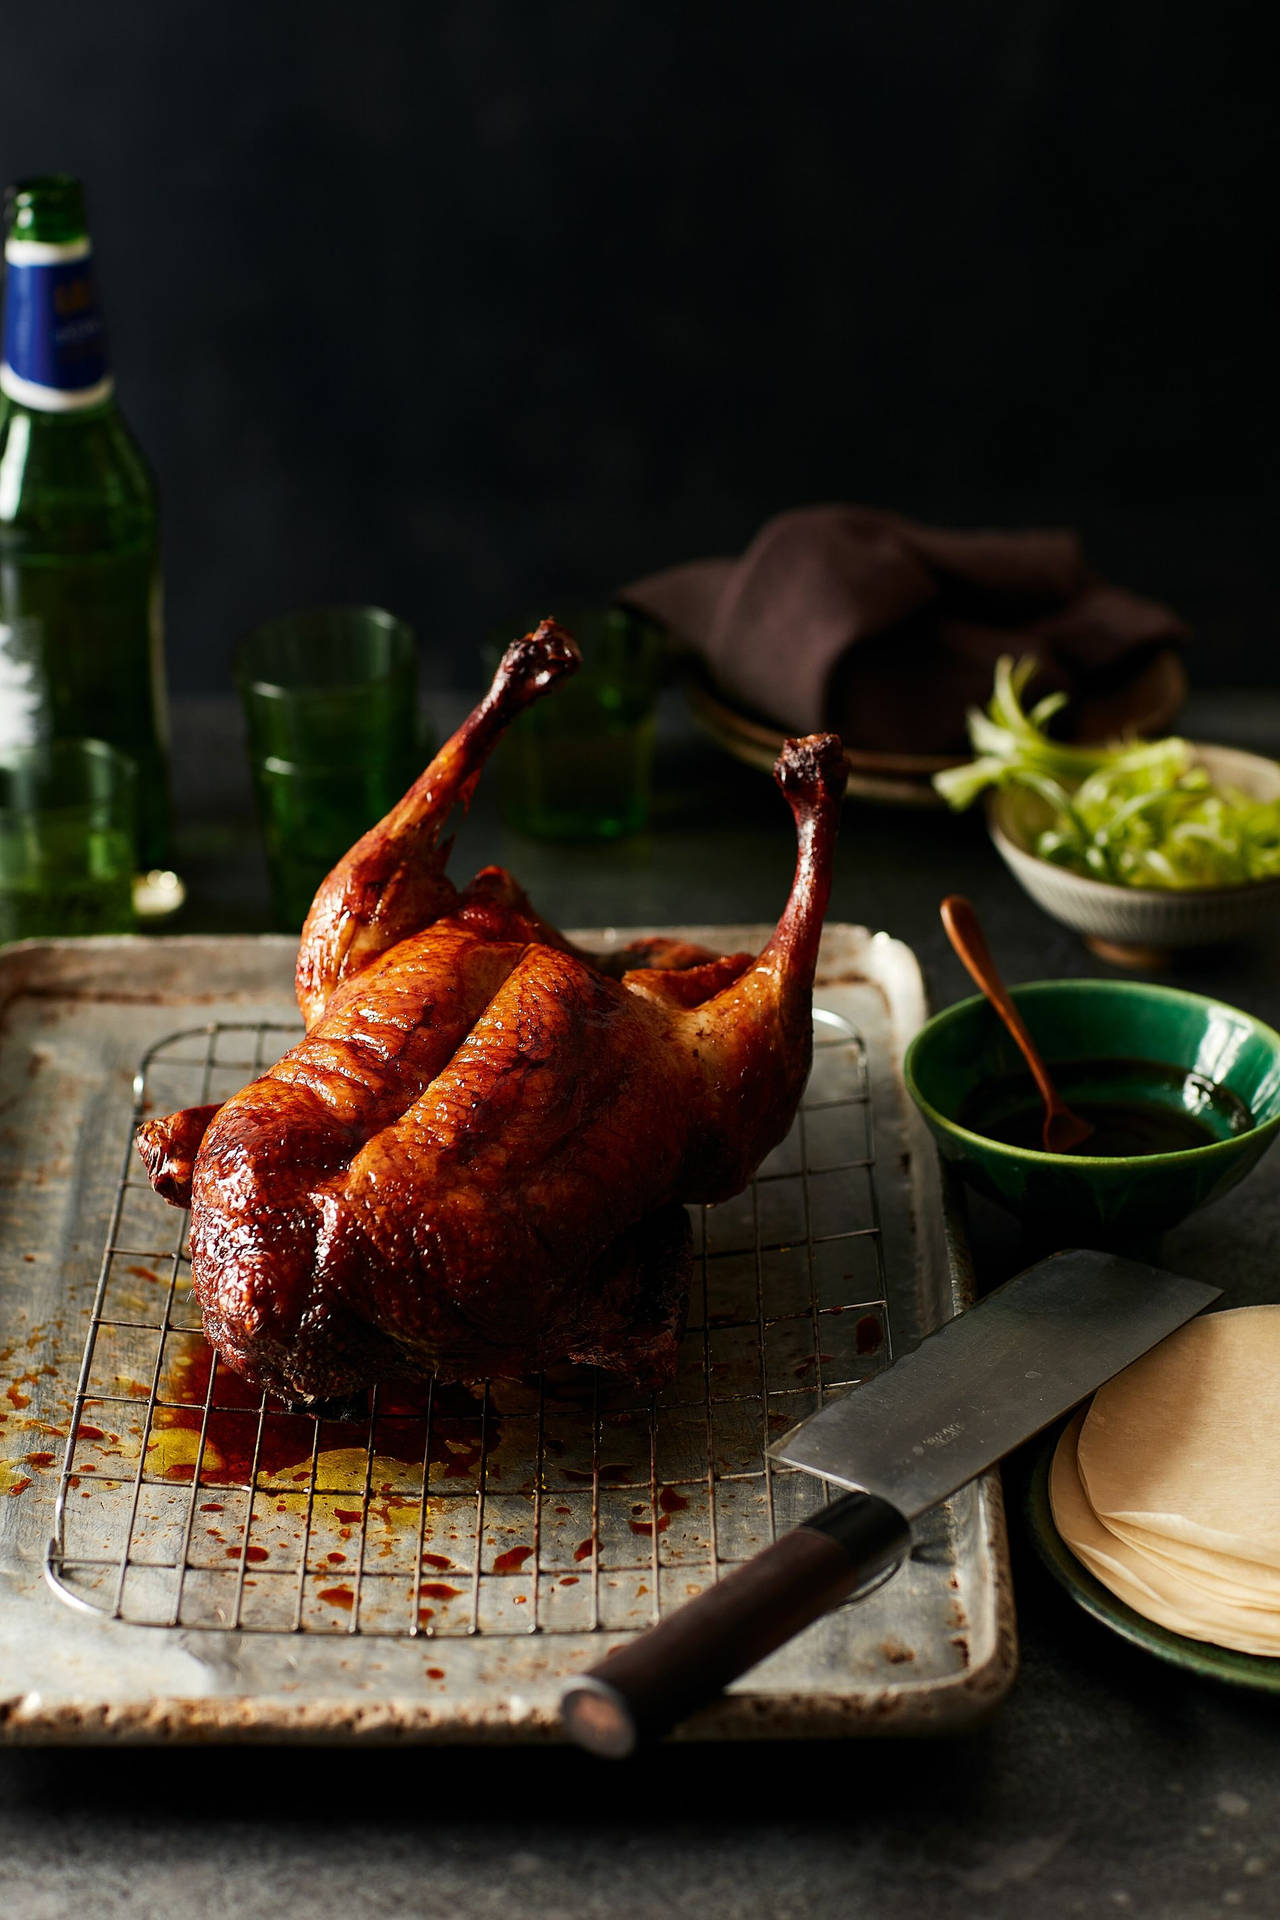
x=992, y=1377
x=968, y=1394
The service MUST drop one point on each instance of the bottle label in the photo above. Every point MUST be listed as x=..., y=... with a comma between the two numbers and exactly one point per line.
x=24, y=690
x=55, y=345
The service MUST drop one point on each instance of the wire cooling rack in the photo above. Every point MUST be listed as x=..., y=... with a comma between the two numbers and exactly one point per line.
x=568, y=1503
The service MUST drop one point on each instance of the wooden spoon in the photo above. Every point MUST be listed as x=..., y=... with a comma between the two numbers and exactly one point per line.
x=1063, y=1131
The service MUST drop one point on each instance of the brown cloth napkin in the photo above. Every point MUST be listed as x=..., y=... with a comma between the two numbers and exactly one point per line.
x=886, y=630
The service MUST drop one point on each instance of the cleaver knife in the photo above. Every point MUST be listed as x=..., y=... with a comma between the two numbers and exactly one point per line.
x=967, y=1395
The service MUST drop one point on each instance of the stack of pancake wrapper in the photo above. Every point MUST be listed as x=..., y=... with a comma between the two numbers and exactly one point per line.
x=1167, y=1488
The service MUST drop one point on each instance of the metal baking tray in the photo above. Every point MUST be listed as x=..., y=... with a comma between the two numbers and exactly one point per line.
x=184, y=1560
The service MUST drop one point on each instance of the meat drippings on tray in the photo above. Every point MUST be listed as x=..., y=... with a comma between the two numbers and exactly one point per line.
x=475, y=1162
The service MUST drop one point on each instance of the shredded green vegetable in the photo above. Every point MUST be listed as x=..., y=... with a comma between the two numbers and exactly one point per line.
x=1140, y=814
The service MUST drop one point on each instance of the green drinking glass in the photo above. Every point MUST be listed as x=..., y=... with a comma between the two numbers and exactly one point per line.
x=579, y=764
x=330, y=701
x=68, y=840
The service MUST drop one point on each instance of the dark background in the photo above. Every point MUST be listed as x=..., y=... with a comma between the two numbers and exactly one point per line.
x=476, y=306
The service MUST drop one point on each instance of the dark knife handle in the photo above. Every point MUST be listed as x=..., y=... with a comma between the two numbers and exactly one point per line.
x=644, y=1688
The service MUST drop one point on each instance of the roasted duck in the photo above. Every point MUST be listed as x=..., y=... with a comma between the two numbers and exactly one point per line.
x=474, y=1162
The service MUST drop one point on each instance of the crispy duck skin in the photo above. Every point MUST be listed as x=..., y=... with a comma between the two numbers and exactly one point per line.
x=475, y=1161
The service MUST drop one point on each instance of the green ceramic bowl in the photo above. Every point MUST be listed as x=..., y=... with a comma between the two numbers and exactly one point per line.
x=1135, y=1033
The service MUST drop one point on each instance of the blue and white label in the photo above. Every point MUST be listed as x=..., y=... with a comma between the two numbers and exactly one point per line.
x=55, y=345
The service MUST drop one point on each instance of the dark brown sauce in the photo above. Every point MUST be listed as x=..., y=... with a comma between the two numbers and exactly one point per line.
x=868, y=1335
x=651, y=1527
x=1136, y=1107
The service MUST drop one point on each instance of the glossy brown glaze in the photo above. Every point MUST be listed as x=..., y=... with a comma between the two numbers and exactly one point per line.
x=169, y=1147
x=475, y=1161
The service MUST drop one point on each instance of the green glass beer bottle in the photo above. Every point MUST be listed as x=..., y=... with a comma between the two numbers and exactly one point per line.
x=81, y=644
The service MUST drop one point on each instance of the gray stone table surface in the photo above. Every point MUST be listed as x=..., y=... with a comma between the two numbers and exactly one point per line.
x=1107, y=1783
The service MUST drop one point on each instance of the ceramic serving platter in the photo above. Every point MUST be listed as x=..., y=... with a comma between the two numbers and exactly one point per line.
x=183, y=1561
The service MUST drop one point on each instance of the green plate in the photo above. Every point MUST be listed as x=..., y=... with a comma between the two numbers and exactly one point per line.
x=1199, y=1656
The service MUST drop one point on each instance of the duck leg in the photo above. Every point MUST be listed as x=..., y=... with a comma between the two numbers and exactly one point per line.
x=393, y=883
x=752, y=1039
